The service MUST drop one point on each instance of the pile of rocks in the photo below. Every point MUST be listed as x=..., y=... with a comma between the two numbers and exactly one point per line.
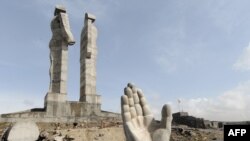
x=185, y=133
x=55, y=135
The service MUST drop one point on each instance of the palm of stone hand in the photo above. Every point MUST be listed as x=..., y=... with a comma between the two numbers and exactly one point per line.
x=138, y=121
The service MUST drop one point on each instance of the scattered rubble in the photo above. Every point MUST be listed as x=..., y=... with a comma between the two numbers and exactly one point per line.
x=112, y=131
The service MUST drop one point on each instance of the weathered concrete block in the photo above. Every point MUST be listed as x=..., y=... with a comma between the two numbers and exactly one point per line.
x=95, y=99
x=59, y=97
x=23, y=131
x=88, y=61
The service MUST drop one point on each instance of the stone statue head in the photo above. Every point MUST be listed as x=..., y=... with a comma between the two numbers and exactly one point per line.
x=89, y=16
x=59, y=9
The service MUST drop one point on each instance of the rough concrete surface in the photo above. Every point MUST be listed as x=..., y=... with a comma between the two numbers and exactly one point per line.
x=56, y=106
x=22, y=131
x=111, y=131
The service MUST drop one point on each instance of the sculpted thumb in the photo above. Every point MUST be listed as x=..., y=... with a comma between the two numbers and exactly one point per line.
x=166, y=117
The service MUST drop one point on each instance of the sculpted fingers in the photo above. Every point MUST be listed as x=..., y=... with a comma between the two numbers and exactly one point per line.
x=145, y=108
x=128, y=92
x=125, y=109
x=136, y=99
x=127, y=117
x=166, y=117
x=138, y=121
x=138, y=107
x=147, y=115
x=133, y=87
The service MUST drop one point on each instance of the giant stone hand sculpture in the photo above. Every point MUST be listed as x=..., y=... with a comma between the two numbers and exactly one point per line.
x=138, y=121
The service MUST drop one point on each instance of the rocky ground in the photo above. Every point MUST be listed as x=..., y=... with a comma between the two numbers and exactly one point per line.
x=113, y=131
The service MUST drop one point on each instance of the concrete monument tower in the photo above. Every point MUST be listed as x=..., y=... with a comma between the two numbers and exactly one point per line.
x=56, y=106
x=61, y=39
x=88, y=53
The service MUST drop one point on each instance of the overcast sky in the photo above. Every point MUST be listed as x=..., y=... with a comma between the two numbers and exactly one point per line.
x=196, y=51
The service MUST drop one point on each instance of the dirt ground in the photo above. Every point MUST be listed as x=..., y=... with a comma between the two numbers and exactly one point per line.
x=114, y=132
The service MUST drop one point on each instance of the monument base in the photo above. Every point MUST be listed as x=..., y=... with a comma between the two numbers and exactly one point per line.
x=95, y=99
x=57, y=97
x=58, y=109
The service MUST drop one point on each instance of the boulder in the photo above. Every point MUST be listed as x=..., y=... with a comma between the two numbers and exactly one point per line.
x=23, y=131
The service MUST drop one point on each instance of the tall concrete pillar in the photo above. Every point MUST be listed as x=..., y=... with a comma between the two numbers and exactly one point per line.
x=88, y=53
x=61, y=39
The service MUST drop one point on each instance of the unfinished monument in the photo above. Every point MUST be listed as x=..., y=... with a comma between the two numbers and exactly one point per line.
x=61, y=38
x=88, y=56
x=56, y=106
x=138, y=121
